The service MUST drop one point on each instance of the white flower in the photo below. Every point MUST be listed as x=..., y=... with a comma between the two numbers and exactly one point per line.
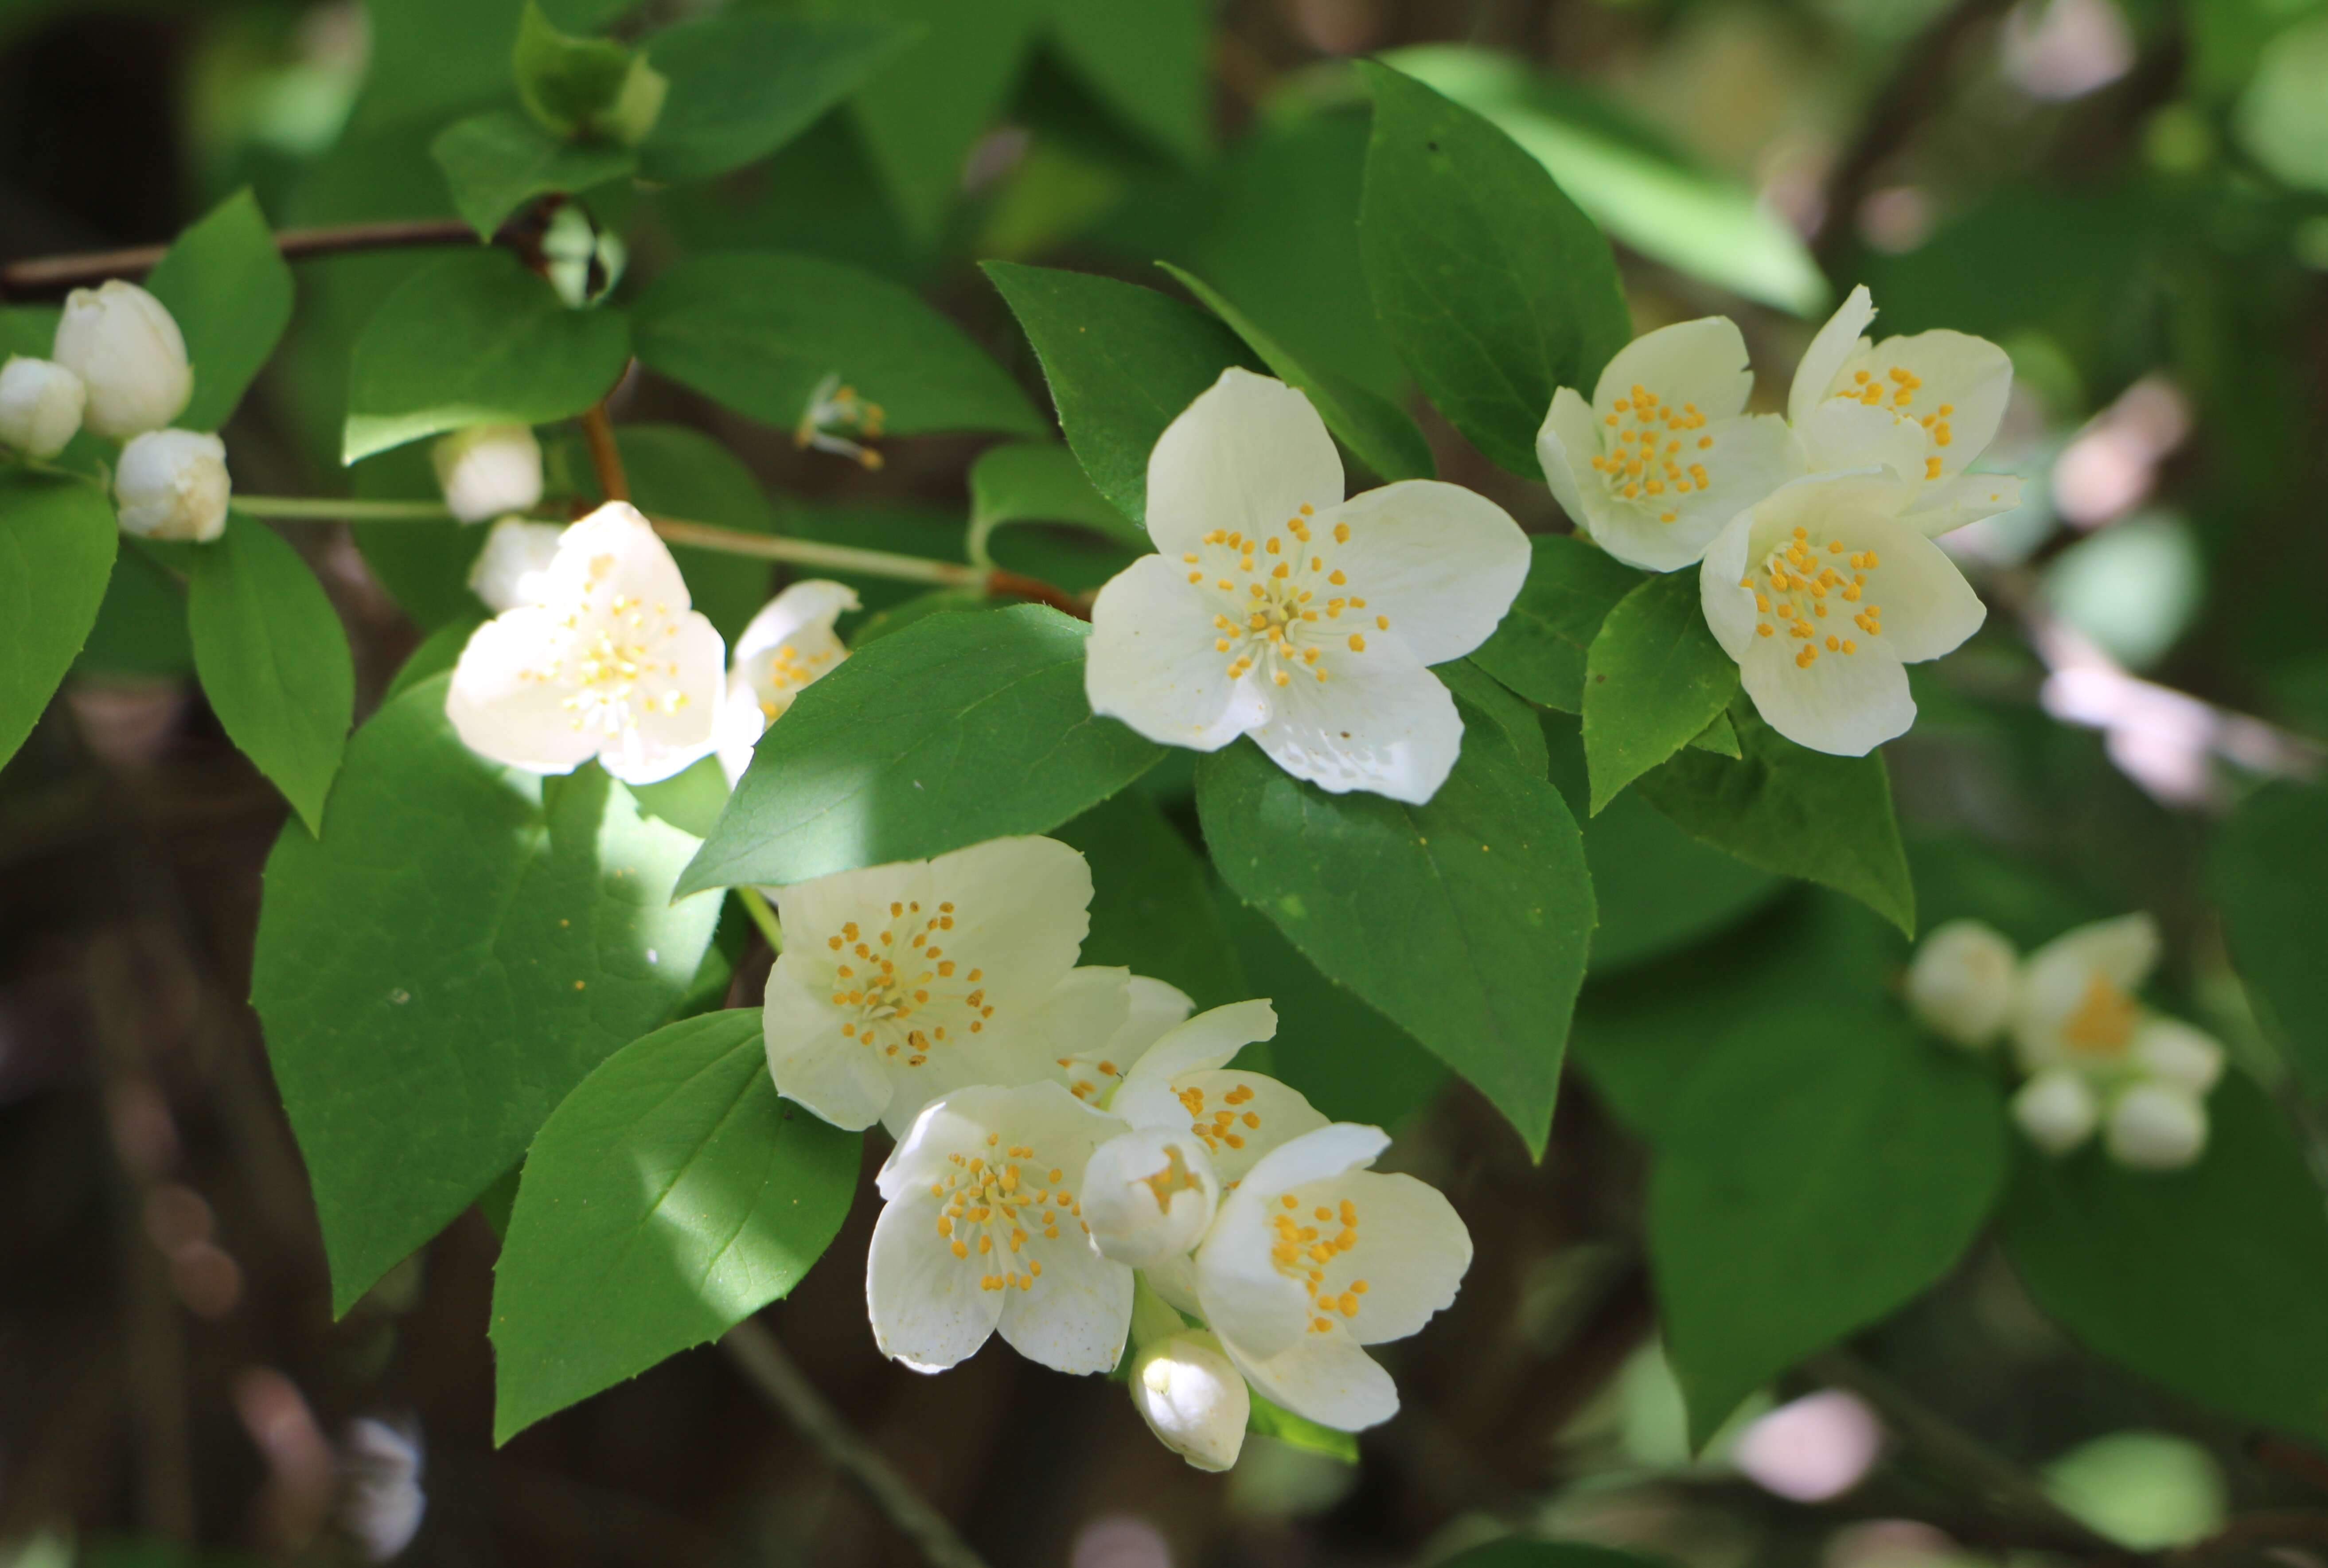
x=899, y=983
x=1152, y=1009
x=980, y=1229
x=1184, y=1083
x=1313, y=1257
x=2172, y=1052
x=487, y=470
x=1278, y=609
x=2075, y=1006
x=513, y=568
x=1150, y=1196
x=173, y=484
x=1961, y=983
x=607, y=661
x=2156, y=1127
x=41, y=405
x=126, y=349
x=2057, y=1110
x=787, y=645
x=1665, y=453
x=1192, y=1398
x=1824, y=592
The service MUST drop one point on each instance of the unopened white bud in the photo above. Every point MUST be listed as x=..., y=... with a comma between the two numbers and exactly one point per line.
x=126, y=349
x=40, y=404
x=2056, y=1109
x=2156, y=1127
x=487, y=470
x=1148, y=1195
x=173, y=484
x=1193, y=1399
x=1960, y=985
x=2172, y=1052
x=513, y=569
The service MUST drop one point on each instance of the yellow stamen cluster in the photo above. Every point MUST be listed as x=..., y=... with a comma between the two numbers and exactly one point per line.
x=1646, y=460
x=1303, y=1250
x=1796, y=588
x=878, y=996
x=1084, y=1088
x=610, y=664
x=1280, y=615
x=835, y=407
x=989, y=1199
x=1226, y=1122
x=787, y=672
x=1896, y=389
x=2103, y=1022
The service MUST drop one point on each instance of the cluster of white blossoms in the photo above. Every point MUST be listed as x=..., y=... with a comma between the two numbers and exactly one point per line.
x=119, y=368
x=2094, y=1056
x=1078, y=1165
x=597, y=652
x=1813, y=531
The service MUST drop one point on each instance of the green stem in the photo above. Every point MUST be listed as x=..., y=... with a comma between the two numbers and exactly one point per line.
x=335, y=509
x=809, y=552
x=757, y=907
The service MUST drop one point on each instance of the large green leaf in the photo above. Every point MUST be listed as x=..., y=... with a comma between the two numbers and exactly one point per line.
x=227, y=287
x=2270, y=864
x=1828, y=1165
x=1122, y=361
x=1039, y=482
x=273, y=659
x=1465, y=921
x=1376, y=433
x=1795, y=811
x=670, y=1197
x=1654, y=678
x=496, y=162
x=141, y=626
x=759, y=331
x=2212, y=1281
x=460, y=948
x=1153, y=909
x=474, y=339
x=956, y=729
x=1495, y=289
x=1539, y=648
x=57, y=543
x=746, y=80
x=1146, y=59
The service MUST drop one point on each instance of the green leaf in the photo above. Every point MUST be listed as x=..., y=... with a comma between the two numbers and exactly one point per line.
x=1795, y=811
x=226, y=283
x=760, y=331
x=1147, y=60
x=459, y=949
x=1037, y=482
x=746, y=81
x=1272, y=1420
x=141, y=626
x=2269, y=864
x=1516, y=1553
x=957, y=729
x=567, y=83
x=1495, y=289
x=57, y=543
x=1519, y=723
x=1720, y=738
x=1465, y=921
x=2212, y=1281
x=1655, y=680
x=1540, y=647
x=669, y=1197
x=1122, y=362
x=437, y=653
x=1153, y=909
x=273, y=659
x=498, y=161
x=475, y=339
x=2282, y=116
x=1376, y=433
x=1828, y=1166
x=425, y=566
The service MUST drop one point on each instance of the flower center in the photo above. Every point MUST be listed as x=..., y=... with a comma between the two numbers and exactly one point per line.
x=2102, y=1023
x=1226, y=1123
x=1654, y=452
x=1278, y=612
x=1799, y=582
x=901, y=998
x=990, y=1200
x=1303, y=1251
x=833, y=408
x=1173, y=1176
x=610, y=664
x=1896, y=389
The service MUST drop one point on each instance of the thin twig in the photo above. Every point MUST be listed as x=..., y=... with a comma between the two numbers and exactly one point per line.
x=778, y=1377
x=333, y=509
x=52, y=274
x=606, y=456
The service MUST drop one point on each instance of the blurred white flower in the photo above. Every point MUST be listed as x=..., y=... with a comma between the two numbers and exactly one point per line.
x=173, y=484
x=1961, y=983
x=788, y=645
x=487, y=470
x=41, y=405
x=2057, y=1110
x=513, y=566
x=2156, y=1126
x=125, y=347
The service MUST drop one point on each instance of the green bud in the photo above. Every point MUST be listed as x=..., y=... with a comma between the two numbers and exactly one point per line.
x=585, y=87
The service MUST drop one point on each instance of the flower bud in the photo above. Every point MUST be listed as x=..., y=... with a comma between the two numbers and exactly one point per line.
x=2156, y=1127
x=2056, y=1109
x=1960, y=985
x=513, y=568
x=1193, y=1399
x=126, y=349
x=487, y=470
x=2172, y=1052
x=1148, y=1195
x=582, y=263
x=40, y=404
x=173, y=484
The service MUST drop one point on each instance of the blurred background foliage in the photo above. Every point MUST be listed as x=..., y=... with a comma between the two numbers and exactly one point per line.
x=2131, y=195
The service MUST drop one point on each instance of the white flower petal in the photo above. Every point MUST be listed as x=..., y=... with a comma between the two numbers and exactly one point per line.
x=1842, y=433
x=1325, y=1378
x=2056, y=1109
x=2172, y=1052
x=1022, y=907
x=1722, y=591
x=614, y=550
x=677, y=707
x=809, y=606
x=1565, y=446
x=1822, y=362
x=1245, y=1116
x=1068, y=1031
x=1702, y=362
x=837, y=1079
x=1248, y=1300
x=1928, y=608
x=1443, y=562
x=1411, y=1251
x=1970, y=377
x=503, y=708
x=1175, y=1280
x=818, y=910
x=2156, y=1127
x=1074, y=1317
x=1155, y=1010
x=1945, y=505
x=1149, y=1195
x=1210, y=1039
x=1380, y=722
x=2076, y=997
x=513, y=568
x=1151, y=662
x=1248, y=454
x=1845, y=705
x=926, y=1305
x=1750, y=458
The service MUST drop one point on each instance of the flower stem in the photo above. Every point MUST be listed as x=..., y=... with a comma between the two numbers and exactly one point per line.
x=52, y=274
x=335, y=509
x=757, y=907
x=810, y=552
x=606, y=456
x=780, y=1379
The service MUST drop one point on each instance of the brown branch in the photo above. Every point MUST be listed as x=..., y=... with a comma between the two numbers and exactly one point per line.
x=606, y=456
x=51, y=275
x=1020, y=586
